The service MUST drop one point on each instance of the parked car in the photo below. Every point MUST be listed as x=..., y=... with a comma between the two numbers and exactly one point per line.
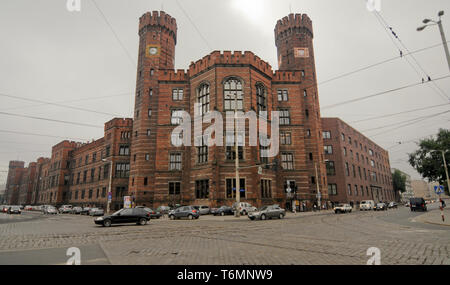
x=222, y=211
x=267, y=212
x=392, y=205
x=50, y=210
x=96, y=212
x=126, y=215
x=77, y=210
x=153, y=214
x=366, y=205
x=163, y=209
x=381, y=207
x=203, y=210
x=5, y=208
x=184, y=212
x=14, y=210
x=417, y=204
x=244, y=208
x=28, y=208
x=65, y=209
x=85, y=211
x=342, y=208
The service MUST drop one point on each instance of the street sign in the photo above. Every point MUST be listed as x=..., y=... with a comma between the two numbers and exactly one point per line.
x=439, y=189
x=109, y=196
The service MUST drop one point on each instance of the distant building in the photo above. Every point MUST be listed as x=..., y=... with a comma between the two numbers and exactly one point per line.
x=357, y=168
x=409, y=193
x=424, y=189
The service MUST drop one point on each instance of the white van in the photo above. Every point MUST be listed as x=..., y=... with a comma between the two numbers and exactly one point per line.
x=366, y=205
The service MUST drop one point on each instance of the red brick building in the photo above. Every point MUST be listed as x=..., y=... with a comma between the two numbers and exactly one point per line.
x=15, y=172
x=162, y=173
x=357, y=168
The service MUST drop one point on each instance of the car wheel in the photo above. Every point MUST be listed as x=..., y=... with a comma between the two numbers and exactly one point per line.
x=172, y=217
x=252, y=218
x=222, y=213
x=190, y=217
x=263, y=217
x=335, y=212
x=281, y=216
x=350, y=211
x=142, y=221
x=106, y=223
x=244, y=213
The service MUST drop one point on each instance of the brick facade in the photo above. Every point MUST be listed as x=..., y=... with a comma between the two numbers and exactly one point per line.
x=358, y=163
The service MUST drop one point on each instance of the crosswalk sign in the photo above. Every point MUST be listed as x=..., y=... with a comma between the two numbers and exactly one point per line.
x=439, y=189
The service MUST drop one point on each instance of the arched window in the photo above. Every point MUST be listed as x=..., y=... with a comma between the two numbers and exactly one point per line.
x=203, y=98
x=233, y=92
x=261, y=97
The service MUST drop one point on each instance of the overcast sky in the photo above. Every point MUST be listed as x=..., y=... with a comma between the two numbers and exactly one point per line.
x=50, y=54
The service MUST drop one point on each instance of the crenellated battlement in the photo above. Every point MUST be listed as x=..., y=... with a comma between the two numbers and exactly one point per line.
x=156, y=18
x=172, y=75
x=228, y=57
x=287, y=76
x=119, y=122
x=289, y=23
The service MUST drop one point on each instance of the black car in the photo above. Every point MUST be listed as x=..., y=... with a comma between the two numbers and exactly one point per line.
x=184, y=212
x=417, y=204
x=222, y=211
x=127, y=215
x=14, y=210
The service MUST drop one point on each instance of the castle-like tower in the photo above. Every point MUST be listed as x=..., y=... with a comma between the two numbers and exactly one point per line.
x=294, y=42
x=157, y=40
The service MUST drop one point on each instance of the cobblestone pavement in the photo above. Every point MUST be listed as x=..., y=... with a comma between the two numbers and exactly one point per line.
x=306, y=238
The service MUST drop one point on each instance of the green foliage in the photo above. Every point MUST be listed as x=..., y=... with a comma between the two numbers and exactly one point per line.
x=429, y=163
x=398, y=179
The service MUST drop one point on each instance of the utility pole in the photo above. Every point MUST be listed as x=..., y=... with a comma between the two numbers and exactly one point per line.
x=108, y=204
x=441, y=30
x=236, y=153
x=318, y=187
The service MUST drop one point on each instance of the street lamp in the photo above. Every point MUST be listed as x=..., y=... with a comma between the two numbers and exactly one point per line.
x=441, y=29
x=109, y=187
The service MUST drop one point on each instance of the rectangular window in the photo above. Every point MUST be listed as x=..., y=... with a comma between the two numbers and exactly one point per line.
x=175, y=161
x=94, y=157
x=356, y=190
x=345, y=151
x=202, y=151
x=177, y=94
x=90, y=193
x=147, y=157
x=103, y=192
x=176, y=117
x=331, y=170
x=285, y=118
x=328, y=149
x=287, y=161
x=202, y=189
x=349, y=189
x=285, y=138
x=347, y=170
x=106, y=171
x=122, y=170
x=174, y=188
x=231, y=187
x=266, y=188
x=332, y=189
x=327, y=135
x=82, y=194
x=149, y=113
x=282, y=95
x=263, y=159
x=124, y=150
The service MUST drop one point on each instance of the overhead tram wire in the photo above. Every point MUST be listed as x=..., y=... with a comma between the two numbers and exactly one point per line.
x=42, y=135
x=132, y=60
x=380, y=93
x=51, y=120
x=399, y=113
x=386, y=28
x=59, y=105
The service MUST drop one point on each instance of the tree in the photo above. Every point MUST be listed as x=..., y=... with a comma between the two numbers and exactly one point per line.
x=399, y=181
x=429, y=163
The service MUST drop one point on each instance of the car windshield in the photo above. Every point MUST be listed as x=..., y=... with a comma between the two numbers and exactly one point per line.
x=262, y=208
x=118, y=212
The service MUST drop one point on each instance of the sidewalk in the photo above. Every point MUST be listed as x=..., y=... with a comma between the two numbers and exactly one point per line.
x=434, y=217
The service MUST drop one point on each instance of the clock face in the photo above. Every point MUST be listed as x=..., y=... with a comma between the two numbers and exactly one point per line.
x=153, y=51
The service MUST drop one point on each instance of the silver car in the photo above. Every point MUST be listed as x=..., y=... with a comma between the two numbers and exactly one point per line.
x=96, y=212
x=267, y=212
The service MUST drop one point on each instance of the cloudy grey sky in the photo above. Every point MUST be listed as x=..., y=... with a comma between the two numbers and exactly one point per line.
x=74, y=58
